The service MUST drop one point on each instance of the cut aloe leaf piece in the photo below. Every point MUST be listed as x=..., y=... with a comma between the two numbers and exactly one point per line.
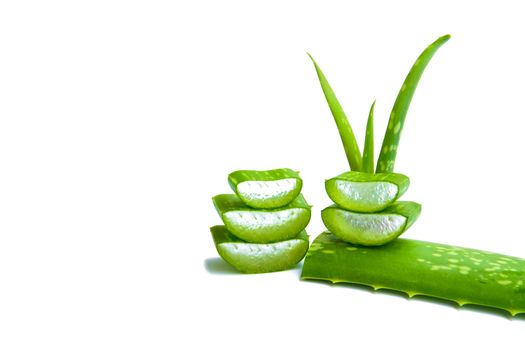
x=371, y=229
x=363, y=192
x=262, y=225
x=463, y=275
x=266, y=189
x=259, y=257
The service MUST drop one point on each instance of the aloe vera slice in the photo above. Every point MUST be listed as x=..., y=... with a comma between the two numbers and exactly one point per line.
x=262, y=225
x=371, y=228
x=266, y=189
x=353, y=155
x=387, y=157
x=363, y=192
x=259, y=257
x=463, y=275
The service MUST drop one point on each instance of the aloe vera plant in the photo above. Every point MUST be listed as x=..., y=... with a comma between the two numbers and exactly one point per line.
x=361, y=190
x=463, y=275
x=266, y=189
x=396, y=122
x=371, y=229
x=259, y=257
x=262, y=225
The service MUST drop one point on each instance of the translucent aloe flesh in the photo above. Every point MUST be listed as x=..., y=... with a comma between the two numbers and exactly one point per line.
x=262, y=225
x=363, y=192
x=259, y=257
x=266, y=189
x=371, y=229
x=387, y=157
x=463, y=275
x=353, y=155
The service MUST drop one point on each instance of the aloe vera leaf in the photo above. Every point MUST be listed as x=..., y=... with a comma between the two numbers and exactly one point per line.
x=371, y=229
x=345, y=130
x=368, y=150
x=363, y=192
x=262, y=225
x=266, y=189
x=259, y=257
x=387, y=157
x=463, y=275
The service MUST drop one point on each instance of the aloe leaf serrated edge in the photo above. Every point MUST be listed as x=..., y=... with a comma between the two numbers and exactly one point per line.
x=463, y=275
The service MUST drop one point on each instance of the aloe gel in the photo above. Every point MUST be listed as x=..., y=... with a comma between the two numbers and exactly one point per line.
x=262, y=225
x=371, y=229
x=266, y=189
x=259, y=257
x=367, y=193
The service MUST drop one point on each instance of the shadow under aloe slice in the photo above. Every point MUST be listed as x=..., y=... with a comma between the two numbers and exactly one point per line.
x=266, y=189
x=259, y=257
x=364, y=192
x=262, y=225
x=371, y=229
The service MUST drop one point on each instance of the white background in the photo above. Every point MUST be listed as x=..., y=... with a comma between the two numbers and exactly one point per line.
x=120, y=120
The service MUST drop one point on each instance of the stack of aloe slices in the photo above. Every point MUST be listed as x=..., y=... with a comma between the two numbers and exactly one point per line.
x=366, y=210
x=366, y=217
x=264, y=221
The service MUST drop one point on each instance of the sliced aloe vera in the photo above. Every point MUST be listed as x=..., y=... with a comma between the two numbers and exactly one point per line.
x=466, y=276
x=371, y=229
x=266, y=189
x=259, y=257
x=262, y=225
x=367, y=193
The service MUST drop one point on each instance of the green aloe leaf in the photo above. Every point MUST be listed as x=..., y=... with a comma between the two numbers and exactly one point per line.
x=262, y=225
x=368, y=151
x=266, y=189
x=345, y=130
x=259, y=257
x=371, y=229
x=463, y=275
x=387, y=157
x=363, y=192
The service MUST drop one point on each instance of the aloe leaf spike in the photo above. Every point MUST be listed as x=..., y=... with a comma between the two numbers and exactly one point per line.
x=387, y=157
x=368, y=151
x=345, y=130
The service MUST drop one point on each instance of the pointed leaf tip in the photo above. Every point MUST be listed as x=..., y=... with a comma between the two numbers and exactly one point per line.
x=388, y=153
x=353, y=154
